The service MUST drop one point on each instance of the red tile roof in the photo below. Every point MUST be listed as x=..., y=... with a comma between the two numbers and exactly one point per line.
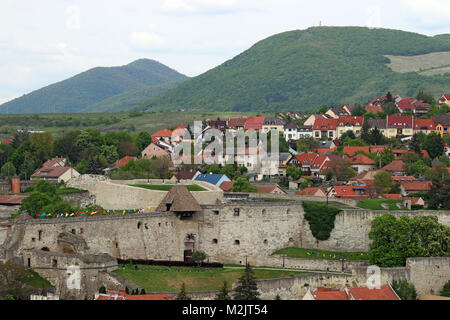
x=350, y=151
x=325, y=124
x=185, y=175
x=227, y=186
x=400, y=122
x=375, y=149
x=122, y=295
x=416, y=185
x=310, y=191
x=445, y=97
x=50, y=172
x=365, y=293
x=354, y=121
x=123, y=162
x=362, y=293
x=374, y=109
x=164, y=133
x=254, y=123
x=306, y=158
x=53, y=162
x=424, y=124
x=344, y=191
x=394, y=166
x=323, y=151
x=234, y=123
x=270, y=189
x=361, y=159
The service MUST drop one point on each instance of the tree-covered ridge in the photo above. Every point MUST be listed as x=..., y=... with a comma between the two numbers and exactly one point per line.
x=93, y=86
x=309, y=68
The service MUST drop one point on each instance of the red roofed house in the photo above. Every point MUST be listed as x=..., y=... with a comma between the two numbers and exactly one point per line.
x=395, y=167
x=392, y=196
x=325, y=128
x=55, y=162
x=349, y=123
x=409, y=187
x=417, y=107
x=254, y=123
x=424, y=125
x=399, y=126
x=236, y=124
x=122, y=162
x=445, y=99
x=350, y=151
x=374, y=109
x=361, y=293
x=312, y=192
x=272, y=189
x=56, y=174
x=162, y=135
x=311, y=163
x=361, y=163
x=342, y=192
x=442, y=122
x=154, y=150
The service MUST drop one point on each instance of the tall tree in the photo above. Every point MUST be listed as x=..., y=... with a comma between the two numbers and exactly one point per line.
x=434, y=144
x=143, y=140
x=247, y=288
x=224, y=293
x=182, y=294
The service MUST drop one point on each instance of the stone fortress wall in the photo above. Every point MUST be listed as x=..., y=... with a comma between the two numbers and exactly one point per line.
x=117, y=194
x=232, y=232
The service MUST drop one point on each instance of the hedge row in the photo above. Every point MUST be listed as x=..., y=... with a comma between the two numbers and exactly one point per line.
x=170, y=263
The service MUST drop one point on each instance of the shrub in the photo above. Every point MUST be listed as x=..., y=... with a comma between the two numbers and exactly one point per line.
x=321, y=218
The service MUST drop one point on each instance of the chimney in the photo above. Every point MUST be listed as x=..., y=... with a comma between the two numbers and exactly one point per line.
x=15, y=185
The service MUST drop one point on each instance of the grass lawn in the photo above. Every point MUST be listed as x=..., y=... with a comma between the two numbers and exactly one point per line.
x=375, y=204
x=318, y=254
x=160, y=279
x=33, y=279
x=191, y=187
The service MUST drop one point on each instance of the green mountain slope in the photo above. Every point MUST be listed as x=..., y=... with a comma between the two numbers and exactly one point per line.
x=129, y=99
x=93, y=86
x=307, y=69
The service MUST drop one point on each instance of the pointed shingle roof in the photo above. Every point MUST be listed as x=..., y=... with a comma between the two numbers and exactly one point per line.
x=179, y=199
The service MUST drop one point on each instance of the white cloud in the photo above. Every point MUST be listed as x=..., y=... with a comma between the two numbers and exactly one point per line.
x=197, y=6
x=146, y=40
x=429, y=12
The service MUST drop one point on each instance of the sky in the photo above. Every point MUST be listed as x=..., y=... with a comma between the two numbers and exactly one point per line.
x=46, y=41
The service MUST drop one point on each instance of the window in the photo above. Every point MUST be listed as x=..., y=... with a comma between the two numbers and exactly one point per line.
x=216, y=212
x=29, y=262
x=266, y=242
x=237, y=242
x=40, y=235
x=237, y=212
x=55, y=263
x=33, y=239
x=215, y=241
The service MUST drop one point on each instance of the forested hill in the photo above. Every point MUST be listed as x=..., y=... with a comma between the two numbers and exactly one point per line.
x=308, y=69
x=94, y=86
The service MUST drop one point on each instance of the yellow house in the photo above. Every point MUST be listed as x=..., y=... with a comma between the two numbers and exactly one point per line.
x=272, y=123
x=349, y=123
x=442, y=123
x=399, y=126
